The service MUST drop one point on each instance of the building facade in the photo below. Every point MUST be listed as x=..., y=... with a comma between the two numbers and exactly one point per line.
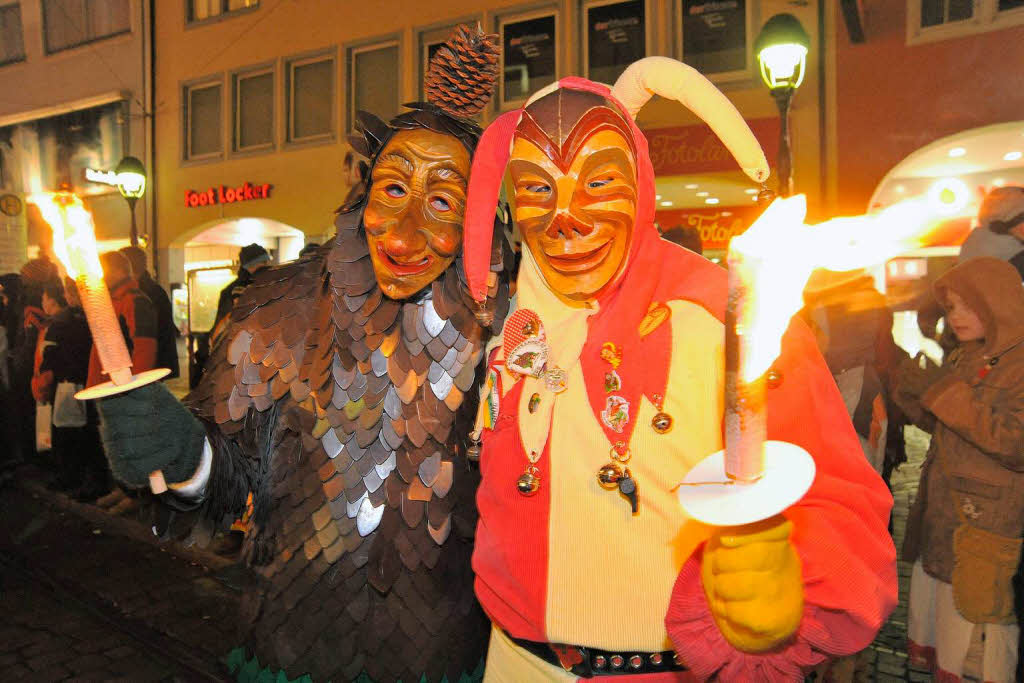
x=256, y=99
x=75, y=78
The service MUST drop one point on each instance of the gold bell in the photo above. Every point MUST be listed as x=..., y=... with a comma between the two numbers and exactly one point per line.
x=528, y=483
x=662, y=422
x=609, y=475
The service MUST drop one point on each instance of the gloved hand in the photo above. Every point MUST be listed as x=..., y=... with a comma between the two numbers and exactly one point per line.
x=915, y=375
x=148, y=429
x=753, y=584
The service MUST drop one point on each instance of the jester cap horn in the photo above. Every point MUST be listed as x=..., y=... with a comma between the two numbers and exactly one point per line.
x=641, y=81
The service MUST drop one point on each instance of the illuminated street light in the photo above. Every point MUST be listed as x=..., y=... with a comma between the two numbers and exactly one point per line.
x=782, y=55
x=131, y=182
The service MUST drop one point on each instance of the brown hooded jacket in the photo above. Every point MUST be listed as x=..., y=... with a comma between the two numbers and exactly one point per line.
x=974, y=473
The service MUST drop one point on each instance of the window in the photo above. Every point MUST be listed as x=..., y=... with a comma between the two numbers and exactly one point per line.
x=371, y=66
x=929, y=20
x=253, y=111
x=202, y=121
x=715, y=37
x=12, y=46
x=529, y=55
x=614, y=35
x=68, y=23
x=201, y=10
x=309, y=99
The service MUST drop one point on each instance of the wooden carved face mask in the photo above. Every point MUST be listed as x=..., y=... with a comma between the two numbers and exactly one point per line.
x=413, y=215
x=573, y=172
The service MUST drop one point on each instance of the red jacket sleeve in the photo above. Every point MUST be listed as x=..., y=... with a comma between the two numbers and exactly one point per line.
x=840, y=531
x=143, y=330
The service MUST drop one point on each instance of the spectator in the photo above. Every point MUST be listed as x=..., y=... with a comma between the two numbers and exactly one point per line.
x=10, y=431
x=1002, y=212
x=685, y=236
x=32, y=320
x=964, y=528
x=77, y=451
x=135, y=313
x=166, y=332
x=252, y=258
x=853, y=327
x=308, y=248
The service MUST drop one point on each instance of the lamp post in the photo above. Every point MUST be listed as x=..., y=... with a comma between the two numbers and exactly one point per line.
x=131, y=182
x=782, y=55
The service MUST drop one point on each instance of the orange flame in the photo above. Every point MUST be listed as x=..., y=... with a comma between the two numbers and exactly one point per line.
x=776, y=255
x=74, y=236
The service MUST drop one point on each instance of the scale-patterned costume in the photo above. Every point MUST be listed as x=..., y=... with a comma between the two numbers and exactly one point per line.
x=344, y=412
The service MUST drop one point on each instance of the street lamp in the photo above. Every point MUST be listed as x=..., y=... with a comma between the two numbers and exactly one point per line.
x=782, y=55
x=131, y=182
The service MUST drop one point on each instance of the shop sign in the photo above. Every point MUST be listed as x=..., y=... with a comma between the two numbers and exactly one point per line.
x=94, y=175
x=684, y=150
x=716, y=226
x=224, y=194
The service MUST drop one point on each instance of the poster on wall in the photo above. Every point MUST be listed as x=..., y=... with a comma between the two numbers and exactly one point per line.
x=528, y=55
x=714, y=35
x=13, y=231
x=616, y=37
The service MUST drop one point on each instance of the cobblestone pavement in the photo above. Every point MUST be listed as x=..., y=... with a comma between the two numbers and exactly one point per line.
x=92, y=600
x=90, y=597
x=886, y=661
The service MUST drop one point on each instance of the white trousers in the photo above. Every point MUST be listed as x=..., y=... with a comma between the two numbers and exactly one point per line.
x=935, y=623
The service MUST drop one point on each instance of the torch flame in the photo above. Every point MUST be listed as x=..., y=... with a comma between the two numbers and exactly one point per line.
x=74, y=236
x=777, y=254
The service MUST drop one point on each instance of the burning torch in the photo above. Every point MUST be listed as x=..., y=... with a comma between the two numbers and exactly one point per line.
x=754, y=478
x=74, y=243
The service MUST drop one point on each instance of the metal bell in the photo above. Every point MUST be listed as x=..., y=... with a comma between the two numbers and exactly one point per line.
x=608, y=476
x=528, y=484
x=662, y=423
x=473, y=452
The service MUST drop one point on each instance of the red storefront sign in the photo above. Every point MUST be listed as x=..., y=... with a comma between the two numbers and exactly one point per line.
x=223, y=194
x=716, y=226
x=696, y=149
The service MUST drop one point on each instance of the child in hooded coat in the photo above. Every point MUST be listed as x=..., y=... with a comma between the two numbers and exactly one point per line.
x=965, y=527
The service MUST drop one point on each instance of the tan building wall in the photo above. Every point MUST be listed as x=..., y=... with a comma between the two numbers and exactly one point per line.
x=110, y=69
x=307, y=180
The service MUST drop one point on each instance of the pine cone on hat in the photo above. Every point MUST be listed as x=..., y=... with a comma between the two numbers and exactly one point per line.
x=462, y=73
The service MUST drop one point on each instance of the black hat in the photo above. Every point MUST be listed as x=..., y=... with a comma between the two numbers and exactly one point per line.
x=251, y=255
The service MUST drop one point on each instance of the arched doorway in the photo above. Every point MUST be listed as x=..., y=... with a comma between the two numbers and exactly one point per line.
x=956, y=171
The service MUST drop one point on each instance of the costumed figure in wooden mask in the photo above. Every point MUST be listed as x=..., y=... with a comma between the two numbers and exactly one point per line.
x=340, y=396
x=606, y=387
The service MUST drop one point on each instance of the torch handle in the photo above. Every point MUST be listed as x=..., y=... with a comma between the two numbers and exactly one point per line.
x=156, y=482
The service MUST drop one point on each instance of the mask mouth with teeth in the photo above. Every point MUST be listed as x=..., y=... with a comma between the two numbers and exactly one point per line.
x=412, y=206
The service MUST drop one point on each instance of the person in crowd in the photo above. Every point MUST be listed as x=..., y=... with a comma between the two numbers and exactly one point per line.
x=685, y=236
x=965, y=525
x=167, y=332
x=308, y=249
x=356, y=172
x=9, y=295
x=64, y=360
x=252, y=258
x=1002, y=213
x=32, y=321
x=853, y=327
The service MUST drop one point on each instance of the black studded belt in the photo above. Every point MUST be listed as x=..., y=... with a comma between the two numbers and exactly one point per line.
x=587, y=662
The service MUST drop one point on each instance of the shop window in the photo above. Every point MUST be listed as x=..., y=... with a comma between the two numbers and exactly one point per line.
x=929, y=20
x=12, y=45
x=715, y=37
x=529, y=54
x=309, y=99
x=68, y=23
x=614, y=36
x=201, y=10
x=369, y=68
x=253, y=97
x=203, y=121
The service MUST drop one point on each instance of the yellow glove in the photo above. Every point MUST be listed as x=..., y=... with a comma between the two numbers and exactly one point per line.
x=752, y=580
